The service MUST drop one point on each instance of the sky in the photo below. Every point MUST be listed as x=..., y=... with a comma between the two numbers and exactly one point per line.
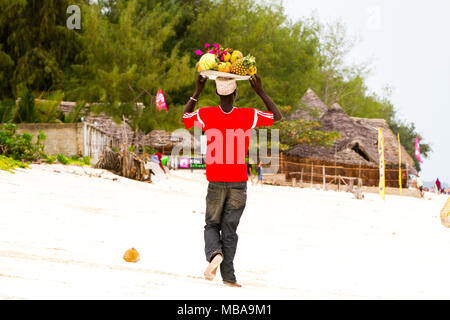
x=407, y=45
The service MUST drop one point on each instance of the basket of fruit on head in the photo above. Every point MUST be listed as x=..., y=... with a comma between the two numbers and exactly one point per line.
x=225, y=63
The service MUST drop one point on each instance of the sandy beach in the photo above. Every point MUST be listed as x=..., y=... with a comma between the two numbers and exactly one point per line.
x=64, y=230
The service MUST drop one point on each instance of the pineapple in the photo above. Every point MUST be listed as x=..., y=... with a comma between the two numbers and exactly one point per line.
x=238, y=67
x=244, y=66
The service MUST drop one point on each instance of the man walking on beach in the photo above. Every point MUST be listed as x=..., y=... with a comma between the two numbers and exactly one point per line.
x=228, y=131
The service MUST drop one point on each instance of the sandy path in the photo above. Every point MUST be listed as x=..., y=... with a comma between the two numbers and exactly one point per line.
x=63, y=235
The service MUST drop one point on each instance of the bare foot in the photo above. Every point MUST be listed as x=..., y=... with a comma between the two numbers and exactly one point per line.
x=232, y=284
x=211, y=270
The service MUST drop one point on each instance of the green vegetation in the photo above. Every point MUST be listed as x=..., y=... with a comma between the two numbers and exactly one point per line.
x=301, y=131
x=86, y=160
x=42, y=109
x=9, y=164
x=62, y=159
x=74, y=160
x=75, y=114
x=20, y=146
x=15, y=149
x=50, y=159
x=127, y=49
x=149, y=150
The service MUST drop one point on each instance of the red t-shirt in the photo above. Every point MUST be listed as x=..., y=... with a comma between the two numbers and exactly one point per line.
x=228, y=138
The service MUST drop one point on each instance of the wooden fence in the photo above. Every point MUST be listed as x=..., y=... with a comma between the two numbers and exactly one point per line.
x=315, y=171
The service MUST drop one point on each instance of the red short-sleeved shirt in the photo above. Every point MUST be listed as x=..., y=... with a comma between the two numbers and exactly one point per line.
x=228, y=138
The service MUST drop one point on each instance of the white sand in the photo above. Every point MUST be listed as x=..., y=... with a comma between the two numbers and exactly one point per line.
x=63, y=235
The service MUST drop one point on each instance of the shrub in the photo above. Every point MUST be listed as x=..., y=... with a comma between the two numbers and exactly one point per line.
x=62, y=159
x=87, y=160
x=50, y=159
x=20, y=147
x=9, y=164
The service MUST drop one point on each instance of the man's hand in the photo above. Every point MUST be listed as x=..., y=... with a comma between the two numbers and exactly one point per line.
x=200, y=84
x=256, y=83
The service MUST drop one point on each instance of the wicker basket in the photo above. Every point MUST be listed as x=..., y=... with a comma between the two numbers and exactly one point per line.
x=212, y=75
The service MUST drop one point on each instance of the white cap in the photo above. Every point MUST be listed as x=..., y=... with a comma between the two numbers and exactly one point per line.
x=225, y=86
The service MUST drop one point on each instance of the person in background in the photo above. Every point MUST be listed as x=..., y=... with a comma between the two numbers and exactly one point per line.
x=438, y=185
x=165, y=161
x=420, y=185
x=259, y=169
x=157, y=159
x=249, y=172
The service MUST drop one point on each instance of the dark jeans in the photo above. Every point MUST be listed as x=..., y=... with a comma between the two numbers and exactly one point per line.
x=225, y=203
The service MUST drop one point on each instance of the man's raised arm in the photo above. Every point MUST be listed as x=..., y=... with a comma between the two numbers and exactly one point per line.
x=199, y=85
x=256, y=84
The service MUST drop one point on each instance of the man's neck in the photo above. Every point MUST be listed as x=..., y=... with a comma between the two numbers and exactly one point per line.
x=226, y=109
x=226, y=103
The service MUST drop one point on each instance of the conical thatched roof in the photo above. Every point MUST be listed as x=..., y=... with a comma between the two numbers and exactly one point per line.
x=158, y=139
x=336, y=107
x=353, y=146
x=390, y=141
x=358, y=142
x=311, y=108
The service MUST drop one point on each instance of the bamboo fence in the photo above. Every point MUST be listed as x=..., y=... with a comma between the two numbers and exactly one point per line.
x=317, y=171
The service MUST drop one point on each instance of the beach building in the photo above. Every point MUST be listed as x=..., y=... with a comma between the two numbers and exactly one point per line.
x=72, y=139
x=354, y=155
x=160, y=140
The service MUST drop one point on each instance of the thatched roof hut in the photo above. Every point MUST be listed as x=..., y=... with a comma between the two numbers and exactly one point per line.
x=310, y=108
x=390, y=142
x=163, y=140
x=353, y=147
x=358, y=143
